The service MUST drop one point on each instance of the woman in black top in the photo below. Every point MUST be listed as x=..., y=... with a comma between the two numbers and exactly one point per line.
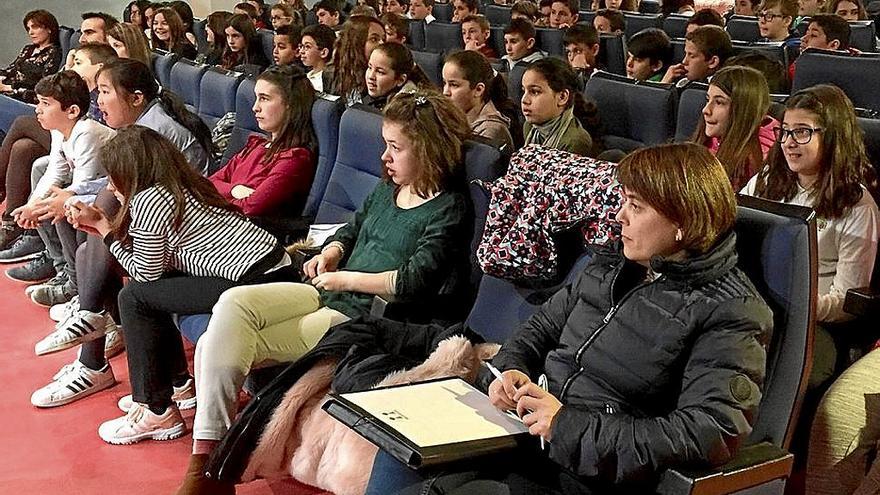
x=168, y=33
x=243, y=45
x=38, y=59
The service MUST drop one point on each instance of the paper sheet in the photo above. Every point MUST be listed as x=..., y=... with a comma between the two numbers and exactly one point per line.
x=438, y=413
x=319, y=233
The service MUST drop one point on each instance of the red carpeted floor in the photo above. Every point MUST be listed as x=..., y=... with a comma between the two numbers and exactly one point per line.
x=55, y=451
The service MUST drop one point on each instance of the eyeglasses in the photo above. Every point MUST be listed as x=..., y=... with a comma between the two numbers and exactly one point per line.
x=801, y=135
x=768, y=16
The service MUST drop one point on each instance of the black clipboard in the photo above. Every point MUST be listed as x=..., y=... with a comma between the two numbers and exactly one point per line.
x=405, y=450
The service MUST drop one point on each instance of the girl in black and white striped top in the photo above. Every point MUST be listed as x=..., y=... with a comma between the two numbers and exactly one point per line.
x=183, y=245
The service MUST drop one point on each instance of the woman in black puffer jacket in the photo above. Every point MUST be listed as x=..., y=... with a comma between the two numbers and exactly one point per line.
x=654, y=356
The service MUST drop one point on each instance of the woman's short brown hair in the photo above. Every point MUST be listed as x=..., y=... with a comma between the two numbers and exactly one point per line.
x=47, y=21
x=686, y=184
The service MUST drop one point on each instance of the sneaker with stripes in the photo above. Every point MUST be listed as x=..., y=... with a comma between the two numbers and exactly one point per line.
x=73, y=382
x=61, y=312
x=84, y=326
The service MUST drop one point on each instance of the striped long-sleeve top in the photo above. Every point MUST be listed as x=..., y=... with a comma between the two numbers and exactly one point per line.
x=209, y=243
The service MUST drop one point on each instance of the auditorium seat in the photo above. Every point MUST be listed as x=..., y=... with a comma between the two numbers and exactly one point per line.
x=677, y=50
x=217, y=94
x=64, y=34
x=497, y=15
x=74, y=40
x=743, y=28
x=245, y=124
x=633, y=115
x=431, y=64
x=10, y=109
x=162, y=67
x=550, y=40
x=416, y=37
x=586, y=16
x=442, y=12
x=690, y=107
x=857, y=76
x=612, y=53
x=775, y=50
x=863, y=35
x=267, y=38
x=675, y=25
x=649, y=7
x=200, y=32
x=636, y=22
x=441, y=37
x=514, y=88
x=185, y=81
x=496, y=40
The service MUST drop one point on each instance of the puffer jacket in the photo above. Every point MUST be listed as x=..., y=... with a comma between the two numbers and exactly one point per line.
x=651, y=374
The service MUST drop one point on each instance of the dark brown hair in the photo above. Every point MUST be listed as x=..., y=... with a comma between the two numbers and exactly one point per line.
x=66, y=87
x=175, y=27
x=299, y=96
x=46, y=20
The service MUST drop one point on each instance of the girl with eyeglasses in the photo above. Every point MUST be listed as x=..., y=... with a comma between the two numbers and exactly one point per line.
x=820, y=162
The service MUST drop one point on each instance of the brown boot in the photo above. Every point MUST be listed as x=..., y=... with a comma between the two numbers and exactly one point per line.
x=195, y=482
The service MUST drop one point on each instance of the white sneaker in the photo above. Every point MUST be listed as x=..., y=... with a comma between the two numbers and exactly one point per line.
x=184, y=396
x=61, y=312
x=114, y=343
x=73, y=382
x=84, y=326
x=142, y=424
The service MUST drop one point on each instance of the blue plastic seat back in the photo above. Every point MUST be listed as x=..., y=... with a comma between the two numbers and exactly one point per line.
x=186, y=79
x=245, y=124
x=636, y=22
x=326, y=117
x=432, y=64
x=217, y=95
x=442, y=37
x=743, y=28
x=857, y=76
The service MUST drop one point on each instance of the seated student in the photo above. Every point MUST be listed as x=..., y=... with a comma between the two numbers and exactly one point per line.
x=821, y=163
x=706, y=49
x=408, y=239
x=215, y=33
x=396, y=28
x=39, y=58
x=328, y=14
x=544, y=9
x=557, y=115
x=391, y=70
x=283, y=14
x=244, y=8
x=421, y=10
x=396, y=7
x=619, y=5
x=356, y=41
x=704, y=17
x=807, y=9
x=475, y=33
x=563, y=14
x=609, y=21
x=581, y=43
x=128, y=41
x=680, y=7
x=262, y=12
x=850, y=10
x=658, y=390
x=186, y=17
x=72, y=169
x=519, y=44
x=148, y=16
x=272, y=177
x=775, y=22
x=87, y=61
x=129, y=96
x=649, y=53
x=743, y=7
x=243, y=45
x=463, y=8
x=825, y=32
x=134, y=14
x=734, y=124
x=771, y=68
x=315, y=53
x=525, y=9
x=468, y=80
x=168, y=34
x=285, y=45
x=363, y=10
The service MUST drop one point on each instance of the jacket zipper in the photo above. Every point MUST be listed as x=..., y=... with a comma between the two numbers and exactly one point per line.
x=605, y=321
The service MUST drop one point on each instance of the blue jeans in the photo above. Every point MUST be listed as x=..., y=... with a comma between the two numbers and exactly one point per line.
x=390, y=476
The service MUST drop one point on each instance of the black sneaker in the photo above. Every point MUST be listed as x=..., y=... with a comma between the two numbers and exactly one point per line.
x=35, y=271
x=27, y=247
x=9, y=233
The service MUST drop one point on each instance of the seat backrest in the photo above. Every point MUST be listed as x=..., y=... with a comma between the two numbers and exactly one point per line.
x=442, y=12
x=487, y=163
x=632, y=115
x=186, y=78
x=743, y=28
x=245, y=123
x=636, y=22
x=677, y=50
x=201, y=34
x=586, y=16
x=775, y=50
x=442, y=36
x=612, y=53
x=863, y=35
x=217, y=94
x=777, y=249
x=497, y=15
x=857, y=76
x=675, y=25
x=267, y=38
x=74, y=39
x=496, y=40
x=514, y=85
x=690, y=107
x=432, y=64
x=162, y=68
x=358, y=166
x=64, y=34
x=326, y=115
x=649, y=7
x=550, y=40
x=416, y=37
x=871, y=128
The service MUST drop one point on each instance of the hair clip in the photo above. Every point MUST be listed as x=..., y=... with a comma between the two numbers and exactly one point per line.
x=421, y=100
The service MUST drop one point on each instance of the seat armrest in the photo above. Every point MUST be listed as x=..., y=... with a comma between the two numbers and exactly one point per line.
x=752, y=466
x=862, y=301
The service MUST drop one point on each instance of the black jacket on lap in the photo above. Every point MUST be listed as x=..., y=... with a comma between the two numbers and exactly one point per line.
x=651, y=374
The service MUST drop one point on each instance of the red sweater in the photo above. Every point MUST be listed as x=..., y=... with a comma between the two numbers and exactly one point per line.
x=280, y=186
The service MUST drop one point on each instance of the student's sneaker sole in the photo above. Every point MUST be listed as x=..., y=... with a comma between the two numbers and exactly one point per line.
x=27, y=282
x=88, y=337
x=18, y=259
x=175, y=431
x=74, y=398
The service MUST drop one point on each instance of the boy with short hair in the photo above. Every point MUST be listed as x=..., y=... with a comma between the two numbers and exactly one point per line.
x=87, y=61
x=396, y=27
x=706, y=49
x=775, y=22
x=519, y=44
x=704, y=17
x=422, y=10
x=649, y=54
x=285, y=45
x=525, y=9
x=825, y=32
x=316, y=52
x=463, y=8
x=563, y=13
x=327, y=13
x=475, y=34
x=73, y=168
x=609, y=21
x=581, y=43
x=396, y=7
x=544, y=9
x=807, y=9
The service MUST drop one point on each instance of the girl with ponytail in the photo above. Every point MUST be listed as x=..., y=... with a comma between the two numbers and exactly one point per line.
x=390, y=70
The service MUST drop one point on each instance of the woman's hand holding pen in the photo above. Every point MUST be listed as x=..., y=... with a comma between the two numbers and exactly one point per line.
x=503, y=391
x=537, y=408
